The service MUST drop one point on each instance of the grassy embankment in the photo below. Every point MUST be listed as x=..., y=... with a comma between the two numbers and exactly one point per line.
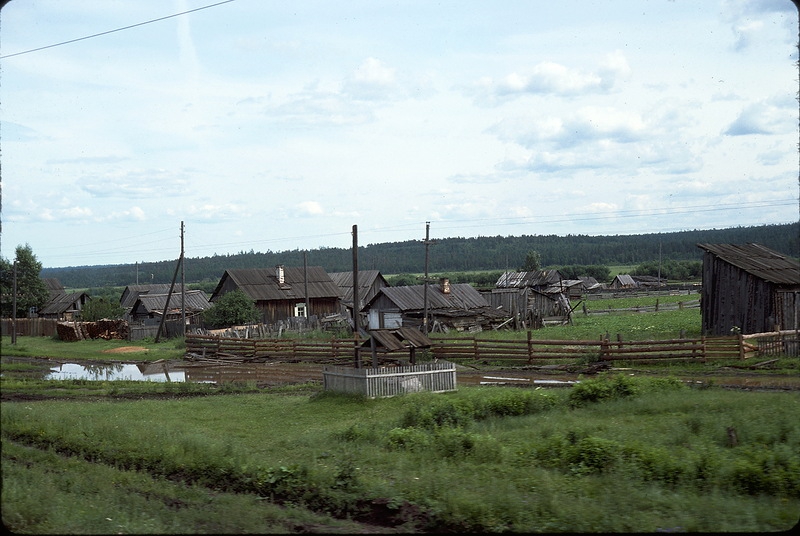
x=614, y=454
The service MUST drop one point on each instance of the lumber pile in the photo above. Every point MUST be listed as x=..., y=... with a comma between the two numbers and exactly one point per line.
x=101, y=329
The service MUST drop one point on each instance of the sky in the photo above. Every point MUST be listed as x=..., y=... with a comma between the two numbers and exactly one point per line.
x=257, y=125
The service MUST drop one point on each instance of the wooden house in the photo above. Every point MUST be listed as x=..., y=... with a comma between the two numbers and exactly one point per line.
x=449, y=306
x=748, y=288
x=64, y=305
x=369, y=283
x=132, y=292
x=282, y=293
x=622, y=281
x=533, y=298
x=149, y=308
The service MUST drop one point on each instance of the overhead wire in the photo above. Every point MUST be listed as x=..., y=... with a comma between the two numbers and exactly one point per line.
x=112, y=31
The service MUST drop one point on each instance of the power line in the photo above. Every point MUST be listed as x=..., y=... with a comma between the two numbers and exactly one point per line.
x=112, y=31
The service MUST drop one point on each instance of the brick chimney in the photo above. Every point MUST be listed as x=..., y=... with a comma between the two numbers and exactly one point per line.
x=279, y=274
x=445, y=283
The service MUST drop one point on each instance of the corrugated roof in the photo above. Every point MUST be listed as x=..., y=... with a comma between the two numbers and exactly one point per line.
x=194, y=300
x=344, y=280
x=261, y=284
x=61, y=303
x=758, y=260
x=132, y=292
x=462, y=296
x=537, y=278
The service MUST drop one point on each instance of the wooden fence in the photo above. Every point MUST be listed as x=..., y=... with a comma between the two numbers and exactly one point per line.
x=378, y=382
x=213, y=347
x=31, y=327
x=528, y=351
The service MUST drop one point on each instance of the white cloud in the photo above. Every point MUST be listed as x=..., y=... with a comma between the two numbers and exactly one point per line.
x=310, y=208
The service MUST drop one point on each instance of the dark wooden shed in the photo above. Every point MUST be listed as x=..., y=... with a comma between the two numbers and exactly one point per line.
x=748, y=288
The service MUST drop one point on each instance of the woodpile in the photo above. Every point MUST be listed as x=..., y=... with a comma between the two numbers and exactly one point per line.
x=102, y=329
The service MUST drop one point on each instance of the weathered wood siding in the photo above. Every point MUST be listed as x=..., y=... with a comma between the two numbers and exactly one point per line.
x=276, y=310
x=733, y=298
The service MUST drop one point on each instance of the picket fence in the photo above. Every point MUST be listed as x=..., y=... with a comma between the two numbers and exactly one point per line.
x=381, y=382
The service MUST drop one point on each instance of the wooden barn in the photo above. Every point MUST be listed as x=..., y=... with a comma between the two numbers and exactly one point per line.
x=149, y=308
x=283, y=292
x=533, y=298
x=748, y=288
x=132, y=292
x=64, y=305
x=450, y=306
x=623, y=281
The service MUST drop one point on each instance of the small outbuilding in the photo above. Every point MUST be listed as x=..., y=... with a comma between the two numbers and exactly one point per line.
x=449, y=306
x=748, y=288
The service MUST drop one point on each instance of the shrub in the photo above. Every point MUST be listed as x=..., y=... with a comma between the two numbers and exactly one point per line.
x=602, y=388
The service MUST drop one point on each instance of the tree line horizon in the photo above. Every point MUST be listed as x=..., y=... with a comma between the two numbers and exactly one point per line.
x=448, y=255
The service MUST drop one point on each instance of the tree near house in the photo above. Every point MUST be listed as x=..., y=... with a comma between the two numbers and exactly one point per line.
x=31, y=290
x=231, y=309
x=533, y=262
x=100, y=308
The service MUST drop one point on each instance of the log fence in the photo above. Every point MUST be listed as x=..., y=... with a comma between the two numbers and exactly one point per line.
x=521, y=351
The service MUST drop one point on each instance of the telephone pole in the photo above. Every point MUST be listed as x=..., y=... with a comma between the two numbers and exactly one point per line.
x=425, y=281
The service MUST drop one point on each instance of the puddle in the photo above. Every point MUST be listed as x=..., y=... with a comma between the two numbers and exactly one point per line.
x=117, y=371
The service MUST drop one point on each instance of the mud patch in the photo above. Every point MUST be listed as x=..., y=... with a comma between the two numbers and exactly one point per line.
x=125, y=350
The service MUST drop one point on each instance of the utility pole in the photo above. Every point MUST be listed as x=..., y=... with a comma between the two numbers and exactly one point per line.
x=183, y=288
x=305, y=284
x=356, y=312
x=14, y=307
x=169, y=294
x=425, y=281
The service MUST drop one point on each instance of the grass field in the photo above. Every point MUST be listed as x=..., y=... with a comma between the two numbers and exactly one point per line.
x=614, y=453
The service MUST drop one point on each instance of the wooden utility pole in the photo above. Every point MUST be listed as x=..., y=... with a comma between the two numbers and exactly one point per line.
x=425, y=281
x=14, y=307
x=171, y=287
x=183, y=289
x=356, y=312
x=305, y=285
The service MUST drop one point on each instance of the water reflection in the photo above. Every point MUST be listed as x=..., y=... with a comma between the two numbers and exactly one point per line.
x=158, y=372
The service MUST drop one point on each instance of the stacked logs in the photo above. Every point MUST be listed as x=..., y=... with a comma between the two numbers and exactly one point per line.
x=101, y=329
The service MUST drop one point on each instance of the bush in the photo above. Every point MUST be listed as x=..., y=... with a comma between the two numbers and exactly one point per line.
x=602, y=388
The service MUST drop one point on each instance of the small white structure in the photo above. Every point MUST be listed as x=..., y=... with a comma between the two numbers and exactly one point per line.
x=379, y=382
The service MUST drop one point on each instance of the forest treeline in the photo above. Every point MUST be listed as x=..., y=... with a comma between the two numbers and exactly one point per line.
x=447, y=255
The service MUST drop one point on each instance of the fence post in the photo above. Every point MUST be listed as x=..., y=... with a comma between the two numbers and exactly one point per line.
x=530, y=347
x=603, y=348
x=475, y=347
x=740, y=339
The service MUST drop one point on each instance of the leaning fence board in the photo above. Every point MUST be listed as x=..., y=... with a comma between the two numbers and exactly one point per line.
x=380, y=382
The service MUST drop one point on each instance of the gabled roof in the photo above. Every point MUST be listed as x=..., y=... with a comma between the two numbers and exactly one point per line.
x=261, y=284
x=537, y=278
x=759, y=261
x=625, y=279
x=53, y=284
x=132, y=292
x=462, y=296
x=63, y=302
x=193, y=300
x=366, y=278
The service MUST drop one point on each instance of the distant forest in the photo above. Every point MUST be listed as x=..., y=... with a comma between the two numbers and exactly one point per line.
x=446, y=255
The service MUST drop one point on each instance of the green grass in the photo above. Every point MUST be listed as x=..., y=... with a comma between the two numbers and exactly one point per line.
x=94, y=349
x=620, y=454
